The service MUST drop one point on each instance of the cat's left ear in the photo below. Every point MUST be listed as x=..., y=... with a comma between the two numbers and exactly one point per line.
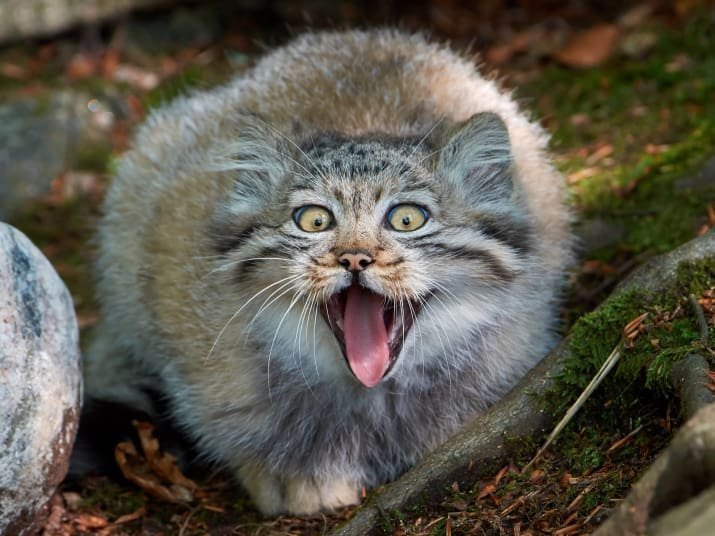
x=477, y=159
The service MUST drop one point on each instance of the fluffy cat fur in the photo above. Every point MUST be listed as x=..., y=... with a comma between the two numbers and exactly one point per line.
x=213, y=296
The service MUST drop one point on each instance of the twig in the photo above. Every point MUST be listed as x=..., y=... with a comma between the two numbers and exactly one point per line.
x=618, y=444
x=590, y=388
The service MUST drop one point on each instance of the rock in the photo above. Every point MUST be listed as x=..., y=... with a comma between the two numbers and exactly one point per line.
x=31, y=18
x=43, y=137
x=40, y=382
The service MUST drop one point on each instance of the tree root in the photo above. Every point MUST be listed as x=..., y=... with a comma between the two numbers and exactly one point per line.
x=689, y=379
x=487, y=442
x=676, y=496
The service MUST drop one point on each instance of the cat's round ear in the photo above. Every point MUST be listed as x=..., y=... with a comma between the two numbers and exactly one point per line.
x=258, y=154
x=476, y=157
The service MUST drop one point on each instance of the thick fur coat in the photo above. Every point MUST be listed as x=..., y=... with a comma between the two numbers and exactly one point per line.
x=217, y=294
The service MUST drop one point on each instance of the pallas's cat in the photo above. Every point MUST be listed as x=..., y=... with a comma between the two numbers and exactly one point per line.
x=328, y=265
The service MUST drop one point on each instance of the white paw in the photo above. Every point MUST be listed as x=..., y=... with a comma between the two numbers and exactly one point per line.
x=306, y=496
x=296, y=496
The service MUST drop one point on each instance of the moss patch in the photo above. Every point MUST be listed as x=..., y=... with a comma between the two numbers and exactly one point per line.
x=653, y=119
x=192, y=77
x=635, y=393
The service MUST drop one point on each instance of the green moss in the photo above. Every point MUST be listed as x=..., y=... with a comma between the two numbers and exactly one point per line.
x=663, y=101
x=111, y=497
x=193, y=76
x=92, y=157
x=633, y=393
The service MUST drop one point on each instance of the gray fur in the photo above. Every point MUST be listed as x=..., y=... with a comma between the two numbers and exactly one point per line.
x=209, y=285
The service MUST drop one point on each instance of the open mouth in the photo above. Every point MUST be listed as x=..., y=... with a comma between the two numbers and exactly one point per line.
x=370, y=329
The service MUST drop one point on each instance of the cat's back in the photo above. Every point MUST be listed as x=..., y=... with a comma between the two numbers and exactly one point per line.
x=350, y=83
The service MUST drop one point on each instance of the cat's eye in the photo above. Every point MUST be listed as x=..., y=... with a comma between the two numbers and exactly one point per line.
x=312, y=218
x=407, y=217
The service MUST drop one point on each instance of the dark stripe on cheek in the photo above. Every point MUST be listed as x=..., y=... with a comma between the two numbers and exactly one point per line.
x=494, y=265
x=516, y=235
x=225, y=241
x=247, y=267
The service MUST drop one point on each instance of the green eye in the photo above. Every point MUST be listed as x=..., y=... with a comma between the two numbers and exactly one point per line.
x=407, y=217
x=312, y=218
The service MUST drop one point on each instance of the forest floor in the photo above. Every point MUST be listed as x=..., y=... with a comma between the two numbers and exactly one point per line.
x=627, y=94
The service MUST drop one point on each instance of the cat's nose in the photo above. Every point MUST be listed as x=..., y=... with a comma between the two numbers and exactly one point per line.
x=355, y=260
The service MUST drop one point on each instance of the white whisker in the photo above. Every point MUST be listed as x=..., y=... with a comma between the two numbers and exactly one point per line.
x=213, y=346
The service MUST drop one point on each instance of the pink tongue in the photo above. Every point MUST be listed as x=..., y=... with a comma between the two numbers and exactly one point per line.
x=365, y=336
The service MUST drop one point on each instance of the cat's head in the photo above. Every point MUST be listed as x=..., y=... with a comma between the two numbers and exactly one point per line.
x=373, y=247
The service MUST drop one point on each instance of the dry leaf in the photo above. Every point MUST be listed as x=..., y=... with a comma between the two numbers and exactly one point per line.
x=82, y=66
x=127, y=518
x=136, y=77
x=503, y=471
x=634, y=328
x=589, y=48
x=155, y=472
x=89, y=521
x=599, y=154
x=486, y=490
x=164, y=465
x=536, y=475
x=521, y=42
x=581, y=174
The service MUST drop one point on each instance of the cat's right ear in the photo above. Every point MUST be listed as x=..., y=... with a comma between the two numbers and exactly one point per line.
x=260, y=156
x=476, y=158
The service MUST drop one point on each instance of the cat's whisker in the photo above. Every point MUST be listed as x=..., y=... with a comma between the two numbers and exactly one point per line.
x=294, y=300
x=415, y=326
x=238, y=311
x=298, y=336
x=274, y=296
x=449, y=309
x=315, y=342
x=226, y=266
x=429, y=311
x=300, y=149
x=424, y=138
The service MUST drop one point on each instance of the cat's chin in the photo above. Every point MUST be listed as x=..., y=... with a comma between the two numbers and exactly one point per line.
x=371, y=330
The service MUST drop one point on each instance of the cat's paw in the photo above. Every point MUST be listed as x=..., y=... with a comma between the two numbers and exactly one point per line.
x=306, y=496
x=297, y=496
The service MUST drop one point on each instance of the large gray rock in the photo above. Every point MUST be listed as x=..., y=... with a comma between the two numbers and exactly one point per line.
x=40, y=382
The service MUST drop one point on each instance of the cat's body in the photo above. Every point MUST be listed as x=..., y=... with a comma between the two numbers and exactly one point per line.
x=248, y=219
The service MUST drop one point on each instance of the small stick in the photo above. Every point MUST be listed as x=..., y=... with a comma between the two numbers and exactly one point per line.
x=590, y=388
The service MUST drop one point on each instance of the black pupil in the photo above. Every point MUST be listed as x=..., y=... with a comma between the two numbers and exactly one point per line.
x=406, y=220
x=317, y=222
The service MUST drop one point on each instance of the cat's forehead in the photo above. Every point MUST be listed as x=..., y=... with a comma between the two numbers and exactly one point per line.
x=364, y=164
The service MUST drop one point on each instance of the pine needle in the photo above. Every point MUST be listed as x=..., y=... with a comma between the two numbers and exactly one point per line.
x=630, y=332
x=590, y=388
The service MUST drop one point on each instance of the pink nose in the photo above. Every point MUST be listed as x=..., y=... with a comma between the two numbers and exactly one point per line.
x=355, y=261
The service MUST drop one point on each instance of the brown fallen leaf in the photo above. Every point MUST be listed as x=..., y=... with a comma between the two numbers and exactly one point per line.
x=154, y=472
x=634, y=328
x=128, y=518
x=489, y=489
x=163, y=464
x=521, y=42
x=503, y=471
x=90, y=521
x=589, y=48
x=536, y=475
